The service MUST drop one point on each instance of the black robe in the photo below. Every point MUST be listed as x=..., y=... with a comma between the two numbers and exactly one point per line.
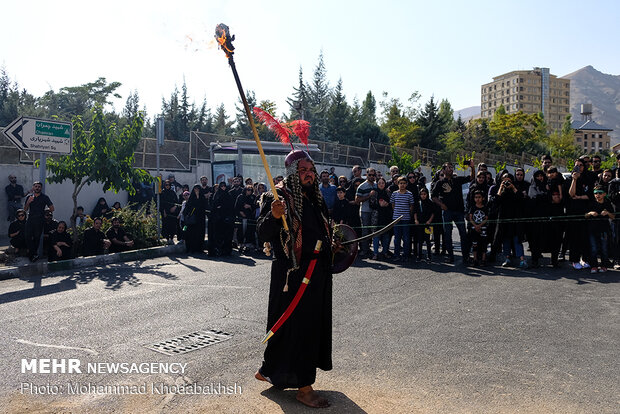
x=194, y=215
x=304, y=342
x=56, y=237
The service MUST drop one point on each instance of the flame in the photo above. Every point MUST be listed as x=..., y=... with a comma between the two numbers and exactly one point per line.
x=224, y=39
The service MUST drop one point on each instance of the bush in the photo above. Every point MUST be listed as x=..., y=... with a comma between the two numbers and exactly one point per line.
x=139, y=226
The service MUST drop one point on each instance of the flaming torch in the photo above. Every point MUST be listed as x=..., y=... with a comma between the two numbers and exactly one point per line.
x=224, y=39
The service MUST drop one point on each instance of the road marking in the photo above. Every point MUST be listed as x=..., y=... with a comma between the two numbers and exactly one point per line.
x=23, y=341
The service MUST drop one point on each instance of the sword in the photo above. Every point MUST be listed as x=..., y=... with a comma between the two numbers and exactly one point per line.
x=375, y=234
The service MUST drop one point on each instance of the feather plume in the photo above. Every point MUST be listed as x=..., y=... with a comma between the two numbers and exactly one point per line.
x=282, y=131
x=301, y=128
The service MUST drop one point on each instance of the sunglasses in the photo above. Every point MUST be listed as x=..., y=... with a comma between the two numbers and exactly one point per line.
x=371, y=175
x=21, y=215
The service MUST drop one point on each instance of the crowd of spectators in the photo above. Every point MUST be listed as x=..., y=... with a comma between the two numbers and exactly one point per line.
x=494, y=215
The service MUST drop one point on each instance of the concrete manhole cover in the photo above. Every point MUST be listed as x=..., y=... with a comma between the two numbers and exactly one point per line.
x=189, y=342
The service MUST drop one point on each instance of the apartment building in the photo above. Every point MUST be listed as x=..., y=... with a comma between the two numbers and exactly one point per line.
x=529, y=91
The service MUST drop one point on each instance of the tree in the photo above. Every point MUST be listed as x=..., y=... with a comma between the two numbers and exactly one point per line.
x=433, y=124
x=319, y=100
x=339, y=123
x=518, y=132
x=366, y=127
x=299, y=103
x=562, y=145
x=243, y=128
x=401, y=131
x=103, y=154
x=221, y=124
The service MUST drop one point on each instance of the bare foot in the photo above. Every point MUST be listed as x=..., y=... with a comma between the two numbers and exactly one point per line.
x=309, y=397
x=260, y=377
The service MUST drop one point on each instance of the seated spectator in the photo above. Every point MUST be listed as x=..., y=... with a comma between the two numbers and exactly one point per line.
x=94, y=240
x=49, y=225
x=80, y=217
x=59, y=244
x=116, y=205
x=101, y=209
x=119, y=241
x=17, y=232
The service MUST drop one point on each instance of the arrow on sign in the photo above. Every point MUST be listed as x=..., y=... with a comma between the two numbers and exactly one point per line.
x=14, y=133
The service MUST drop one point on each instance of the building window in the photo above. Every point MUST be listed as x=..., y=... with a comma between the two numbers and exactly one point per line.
x=520, y=105
x=600, y=144
x=578, y=139
x=600, y=136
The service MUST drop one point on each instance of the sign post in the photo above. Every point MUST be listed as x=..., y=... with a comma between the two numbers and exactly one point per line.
x=46, y=136
x=159, y=132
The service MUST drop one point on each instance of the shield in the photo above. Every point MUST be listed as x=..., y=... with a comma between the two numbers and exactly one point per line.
x=343, y=256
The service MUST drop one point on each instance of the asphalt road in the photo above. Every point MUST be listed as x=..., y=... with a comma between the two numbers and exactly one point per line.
x=407, y=338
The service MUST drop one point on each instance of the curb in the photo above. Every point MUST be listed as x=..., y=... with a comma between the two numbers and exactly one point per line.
x=42, y=268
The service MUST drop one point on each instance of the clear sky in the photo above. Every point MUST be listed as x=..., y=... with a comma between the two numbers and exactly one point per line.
x=441, y=48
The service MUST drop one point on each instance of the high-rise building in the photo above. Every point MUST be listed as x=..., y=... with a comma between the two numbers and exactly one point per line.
x=529, y=91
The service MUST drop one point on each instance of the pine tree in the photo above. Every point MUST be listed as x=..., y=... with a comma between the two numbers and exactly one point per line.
x=299, y=103
x=430, y=124
x=319, y=98
x=339, y=125
x=243, y=128
x=221, y=124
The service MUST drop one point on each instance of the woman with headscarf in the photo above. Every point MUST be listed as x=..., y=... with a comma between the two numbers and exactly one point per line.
x=537, y=207
x=59, y=244
x=508, y=232
x=223, y=214
x=101, y=209
x=169, y=210
x=245, y=211
x=194, y=219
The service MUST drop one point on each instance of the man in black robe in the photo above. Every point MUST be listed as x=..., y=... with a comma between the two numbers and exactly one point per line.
x=304, y=342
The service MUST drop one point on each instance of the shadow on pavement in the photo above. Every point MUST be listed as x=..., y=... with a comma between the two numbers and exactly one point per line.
x=340, y=403
x=38, y=290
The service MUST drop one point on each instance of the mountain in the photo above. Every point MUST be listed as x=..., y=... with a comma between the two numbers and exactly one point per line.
x=471, y=112
x=602, y=90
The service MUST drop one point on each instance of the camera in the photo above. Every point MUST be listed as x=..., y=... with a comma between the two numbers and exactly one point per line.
x=576, y=169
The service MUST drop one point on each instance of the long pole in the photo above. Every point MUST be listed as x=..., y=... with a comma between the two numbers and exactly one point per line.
x=231, y=62
x=42, y=177
x=160, y=140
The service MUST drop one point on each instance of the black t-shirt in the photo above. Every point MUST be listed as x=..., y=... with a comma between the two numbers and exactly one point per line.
x=118, y=234
x=478, y=215
x=423, y=210
x=36, y=209
x=599, y=223
x=14, y=193
x=18, y=226
x=341, y=211
x=450, y=192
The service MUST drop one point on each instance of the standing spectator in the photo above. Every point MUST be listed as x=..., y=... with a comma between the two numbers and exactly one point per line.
x=402, y=205
x=479, y=185
x=477, y=217
x=236, y=189
x=223, y=216
x=546, y=162
x=101, y=209
x=354, y=219
x=343, y=182
x=95, y=242
x=59, y=244
x=169, y=211
x=537, y=207
x=448, y=195
x=555, y=181
x=520, y=183
x=182, y=212
x=119, y=240
x=35, y=206
x=394, y=174
x=579, y=193
x=382, y=210
x=616, y=170
x=356, y=172
x=596, y=167
x=328, y=190
x=17, y=232
x=364, y=193
x=245, y=208
x=600, y=211
x=341, y=208
x=424, y=212
x=14, y=195
x=507, y=230
x=194, y=219
x=604, y=180
x=175, y=186
x=554, y=230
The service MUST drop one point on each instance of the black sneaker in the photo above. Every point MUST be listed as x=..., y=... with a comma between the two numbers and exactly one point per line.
x=450, y=259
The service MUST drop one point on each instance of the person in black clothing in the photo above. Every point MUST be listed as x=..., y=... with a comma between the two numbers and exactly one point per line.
x=14, y=195
x=480, y=184
x=604, y=180
x=507, y=231
x=354, y=219
x=600, y=211
x=423, y=214
x=477, y=217
x=49, y=226
x=169, y=211
x=439, y=242
x=580, y=194
x=223, y=214
x=554, y=229
x=17, y=232
x=119, y=241
x=237, y=188
x=341, y=207
x=35, y=206
x=59, y=244
x=449, y=196
x=194, y=219
x=95, y=242
x=244, y=209
x=382, y=210
x=537, y=207
x=101, y=209
x=520, y=183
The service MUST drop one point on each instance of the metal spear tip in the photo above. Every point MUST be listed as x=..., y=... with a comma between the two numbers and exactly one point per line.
x=224, y=39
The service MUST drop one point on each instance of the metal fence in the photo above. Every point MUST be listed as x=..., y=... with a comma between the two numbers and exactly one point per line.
x=173, y=155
